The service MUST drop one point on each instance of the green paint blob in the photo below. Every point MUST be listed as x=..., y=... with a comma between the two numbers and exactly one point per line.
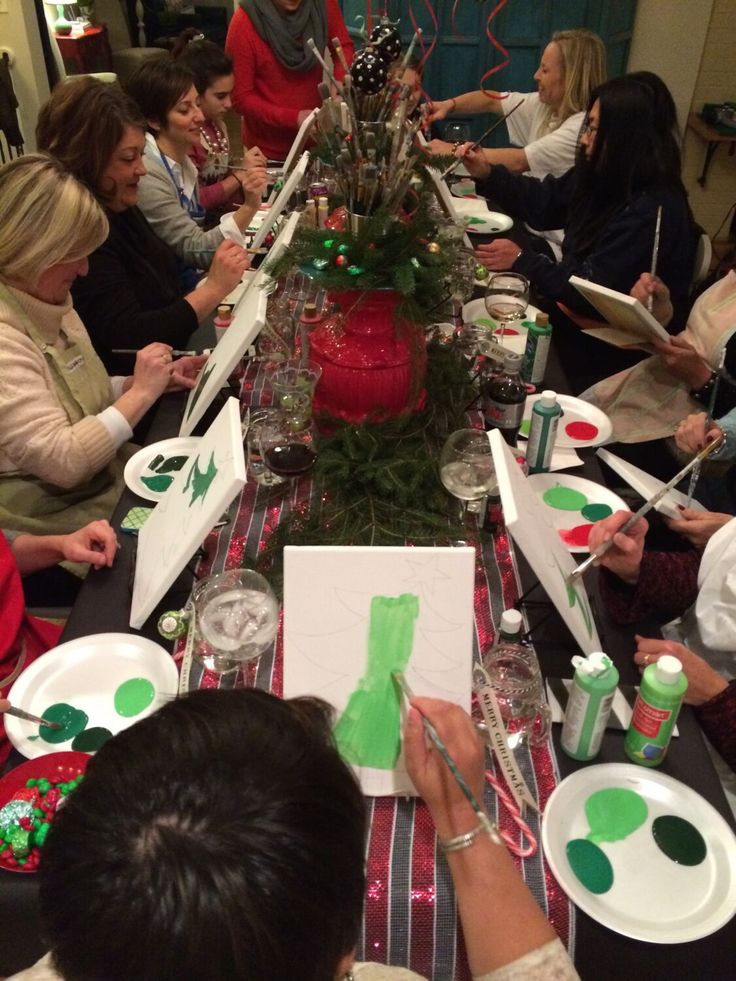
x=159, y=483
x=171, y=463
x=156, y=461
x=564, y=498
x=596, y=512
x=590, y=864
x=679, y=840
x=133, y=696
x=525, y=427
x=90, y=740
x=368, y=733
x=198, y=482
x=73, y=721
x=614, y=814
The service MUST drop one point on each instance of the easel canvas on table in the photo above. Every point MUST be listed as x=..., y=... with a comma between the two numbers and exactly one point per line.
x=201, y=492
x=297, y=147
x=446, y=201
x=249, y=317
x=530, y=525
x=282, y=199
x=354, y=615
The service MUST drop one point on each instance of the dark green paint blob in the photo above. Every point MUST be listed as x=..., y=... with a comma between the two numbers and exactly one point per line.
x=590, y=865
x=596, y=512
x=679, y=840
x=201, y=382
x=159, y=483
x=90, y=740
x=156, y=461
x=72, y=720
x=172, y=463
x=614, y=813
x=525, y=427
x=564, y=498
x=133, y=696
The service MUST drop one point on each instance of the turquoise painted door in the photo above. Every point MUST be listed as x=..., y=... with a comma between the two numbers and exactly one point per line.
x=463, y=53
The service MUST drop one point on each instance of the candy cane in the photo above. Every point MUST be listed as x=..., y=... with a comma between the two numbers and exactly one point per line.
x=525, y=831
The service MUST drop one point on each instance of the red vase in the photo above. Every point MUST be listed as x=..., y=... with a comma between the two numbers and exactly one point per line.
x=373, y=364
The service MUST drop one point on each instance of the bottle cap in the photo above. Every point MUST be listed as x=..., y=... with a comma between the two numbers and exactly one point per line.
x=549, y=398
x=594, y=665
x=510, y=622
x=512, y=362
x=223, y=312
x=541, y=319
x=668, y=669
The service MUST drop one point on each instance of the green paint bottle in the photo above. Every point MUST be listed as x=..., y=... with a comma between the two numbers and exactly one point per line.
x=538, y=337
x=546, y=414
x=663, y=686
x=589, y=705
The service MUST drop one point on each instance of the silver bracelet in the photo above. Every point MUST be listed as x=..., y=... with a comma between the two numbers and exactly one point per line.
x=466, y=840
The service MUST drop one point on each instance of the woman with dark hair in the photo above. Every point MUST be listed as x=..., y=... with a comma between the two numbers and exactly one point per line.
x=625, y=171
x=223, y=837
x=276, y=74
x=167, y=97
x=220, y=185
x=132, y=294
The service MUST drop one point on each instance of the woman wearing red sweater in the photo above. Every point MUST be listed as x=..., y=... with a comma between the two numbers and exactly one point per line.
x=276, y=74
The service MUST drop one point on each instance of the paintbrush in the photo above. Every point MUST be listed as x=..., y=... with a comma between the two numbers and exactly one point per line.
x=21, y=714
x=480, y=139
x=655, y=255
x=434, y=736
x=646, y=506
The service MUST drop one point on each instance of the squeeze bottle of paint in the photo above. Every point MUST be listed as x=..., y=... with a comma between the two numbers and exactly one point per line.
x=589, y=705
x=543, y=432
x=536, y=352
x=222, y=321
x=663, y=686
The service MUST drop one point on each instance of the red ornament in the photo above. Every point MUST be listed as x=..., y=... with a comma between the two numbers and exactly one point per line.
x=342, y=260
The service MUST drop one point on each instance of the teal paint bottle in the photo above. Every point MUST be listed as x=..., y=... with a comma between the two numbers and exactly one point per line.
x=546, y=414
x=663, y=686
x=589, y=705
x=536, y=352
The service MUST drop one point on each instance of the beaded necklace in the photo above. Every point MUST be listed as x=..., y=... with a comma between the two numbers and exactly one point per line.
x=217, y=147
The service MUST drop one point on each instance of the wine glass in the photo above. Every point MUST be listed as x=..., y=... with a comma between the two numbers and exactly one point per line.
x=467, y=471
x=236, y=618
x=457, y=132
x=506, y=298
x=288, y=445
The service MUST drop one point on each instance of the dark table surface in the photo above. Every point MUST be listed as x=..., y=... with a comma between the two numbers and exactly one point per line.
x=600, y=953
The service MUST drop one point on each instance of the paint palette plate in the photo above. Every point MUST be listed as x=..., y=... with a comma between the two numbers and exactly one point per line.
x=151, y=471
x=581, y=424
x=484, y=222
x=514, y=335
x=86, y=673
x=653, y=897
x=573, y=504
x=54, y=766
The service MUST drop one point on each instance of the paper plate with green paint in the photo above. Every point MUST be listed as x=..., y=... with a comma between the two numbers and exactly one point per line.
x=641, y=853
x=573, y=504
x=151, y=471
x=95, y=685
x=581, y=424
x=484, y=222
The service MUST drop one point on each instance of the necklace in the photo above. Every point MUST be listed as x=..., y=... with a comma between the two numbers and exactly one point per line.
x=216, y=140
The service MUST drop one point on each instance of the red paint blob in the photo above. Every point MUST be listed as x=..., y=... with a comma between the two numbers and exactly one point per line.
x=509, y=331
x=581, y=430
x=577, y=536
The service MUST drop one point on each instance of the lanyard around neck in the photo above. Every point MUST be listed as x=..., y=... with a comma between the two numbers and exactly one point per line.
x=190, y=204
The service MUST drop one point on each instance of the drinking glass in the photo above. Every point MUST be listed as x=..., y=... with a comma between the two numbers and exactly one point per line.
x=466, y=469
x=457, y=132
x=236, y=619
x=517, y=683
x=506, y=298
x=288, y=445
x=293, y=383
x=258, y=420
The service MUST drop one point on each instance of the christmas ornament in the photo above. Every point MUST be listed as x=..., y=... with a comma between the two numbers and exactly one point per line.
x=434, y=247
x=415, y=262
x=328, y=243
x=320, y=263
x=369, y=71
x=173, y=624
x=341, y=261
x=481, y=272
x=355, y=270
x=386, y=39
x=342, y=249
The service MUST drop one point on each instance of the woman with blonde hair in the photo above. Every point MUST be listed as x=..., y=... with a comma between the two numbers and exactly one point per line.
x=63, y=421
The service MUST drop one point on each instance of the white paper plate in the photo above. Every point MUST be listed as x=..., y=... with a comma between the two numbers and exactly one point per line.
x=488, y=222
x=514, y=335
x=652, y=898
x=573, y=410
x=146, y=465
x=567, y=520
x=465, y=190
x=86, y=673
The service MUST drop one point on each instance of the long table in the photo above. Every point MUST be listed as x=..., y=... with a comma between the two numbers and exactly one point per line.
x=407, y=881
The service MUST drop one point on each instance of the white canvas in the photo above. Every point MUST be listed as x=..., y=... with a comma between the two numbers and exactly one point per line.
x=331, y=600
x=529, y=522
x=449, y=203
x=647, y=486
x=282, y=199
x=297, y=147
x=249, y=317
x=202, y=490
x=622, y=311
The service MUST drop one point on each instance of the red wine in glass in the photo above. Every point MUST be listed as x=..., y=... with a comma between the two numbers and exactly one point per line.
x=290, y=459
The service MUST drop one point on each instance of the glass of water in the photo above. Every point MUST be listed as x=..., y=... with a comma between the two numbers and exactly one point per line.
x=467, y=471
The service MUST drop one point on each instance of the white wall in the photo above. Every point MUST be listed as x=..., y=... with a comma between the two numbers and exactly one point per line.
x=19, y=34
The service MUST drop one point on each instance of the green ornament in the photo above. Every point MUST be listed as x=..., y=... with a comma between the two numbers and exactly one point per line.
x=415, y=262
x=481, y=272
x=320, y=263
x=355, y=270
x=328, y=243
x=342, y=249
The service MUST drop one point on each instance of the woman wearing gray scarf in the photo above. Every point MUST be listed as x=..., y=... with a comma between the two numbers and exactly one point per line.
x=276, y=74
